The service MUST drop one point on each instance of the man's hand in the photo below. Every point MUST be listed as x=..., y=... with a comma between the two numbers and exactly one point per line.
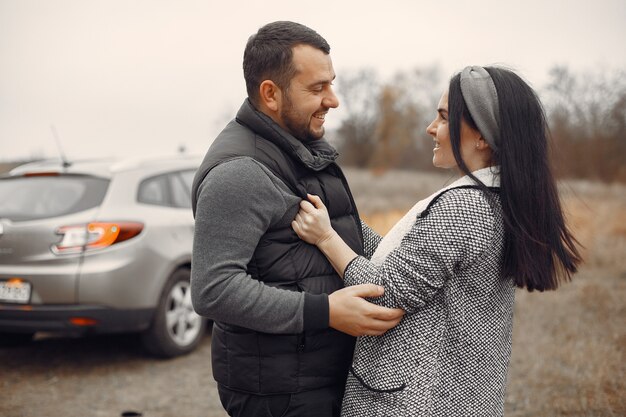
x=351, y=314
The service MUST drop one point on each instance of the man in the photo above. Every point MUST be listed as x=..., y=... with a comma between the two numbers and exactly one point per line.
x=281, y=344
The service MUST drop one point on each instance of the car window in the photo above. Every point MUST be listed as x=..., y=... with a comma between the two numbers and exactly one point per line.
x=170, y=190
x=39, y=197
x=154, y=190
x=187, y=177
x=180, y=193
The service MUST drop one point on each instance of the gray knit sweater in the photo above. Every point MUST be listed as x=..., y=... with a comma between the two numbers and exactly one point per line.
x=239, y=200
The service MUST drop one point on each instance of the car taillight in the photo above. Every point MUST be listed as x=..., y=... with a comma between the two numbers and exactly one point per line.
x=42, y=174
x=95, y=235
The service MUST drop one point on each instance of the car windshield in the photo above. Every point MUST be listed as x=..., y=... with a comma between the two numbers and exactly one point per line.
x=39, y=197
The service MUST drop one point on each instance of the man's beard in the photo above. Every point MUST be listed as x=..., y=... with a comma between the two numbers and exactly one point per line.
x=299, y=126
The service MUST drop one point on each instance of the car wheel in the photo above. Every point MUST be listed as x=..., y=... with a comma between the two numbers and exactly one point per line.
x=176, y=328
x=15, y=339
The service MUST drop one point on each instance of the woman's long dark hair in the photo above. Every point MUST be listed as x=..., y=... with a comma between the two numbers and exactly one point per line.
x=539, y=250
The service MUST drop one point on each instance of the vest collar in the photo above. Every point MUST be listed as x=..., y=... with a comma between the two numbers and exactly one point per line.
x=316, y=155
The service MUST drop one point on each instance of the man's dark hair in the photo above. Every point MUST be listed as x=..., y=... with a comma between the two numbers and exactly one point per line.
x=268, y=54
x=539, y=250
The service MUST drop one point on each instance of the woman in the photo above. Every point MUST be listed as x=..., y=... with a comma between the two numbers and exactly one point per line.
x=453, y=262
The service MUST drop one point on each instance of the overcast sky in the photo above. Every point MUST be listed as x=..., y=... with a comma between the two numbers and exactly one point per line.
x=127, y=78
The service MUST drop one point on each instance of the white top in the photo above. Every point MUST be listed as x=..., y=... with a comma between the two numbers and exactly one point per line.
x=394, y=237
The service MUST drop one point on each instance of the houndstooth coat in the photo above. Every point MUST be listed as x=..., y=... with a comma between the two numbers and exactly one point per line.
x=449, y=354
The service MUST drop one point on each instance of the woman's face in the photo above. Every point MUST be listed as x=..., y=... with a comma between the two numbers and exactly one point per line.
x=472, y=144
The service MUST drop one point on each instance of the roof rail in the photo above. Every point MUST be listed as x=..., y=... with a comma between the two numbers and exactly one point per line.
x=140, y=161
x=52, y=164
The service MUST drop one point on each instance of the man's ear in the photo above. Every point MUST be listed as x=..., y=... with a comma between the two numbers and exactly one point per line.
x=270, y=95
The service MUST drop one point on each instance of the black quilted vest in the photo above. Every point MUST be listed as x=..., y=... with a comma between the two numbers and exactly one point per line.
x=260, y=363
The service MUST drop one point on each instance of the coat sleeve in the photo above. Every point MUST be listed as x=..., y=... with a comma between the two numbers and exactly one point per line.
x=456, y=231
x=371, y=240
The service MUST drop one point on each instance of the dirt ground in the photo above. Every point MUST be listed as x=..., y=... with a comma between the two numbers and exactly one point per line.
x=568, y=360
x=569, y=349
x=568, y=346
x=104, y=376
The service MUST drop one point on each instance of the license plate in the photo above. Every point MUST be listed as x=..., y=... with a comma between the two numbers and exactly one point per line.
x=15, y=291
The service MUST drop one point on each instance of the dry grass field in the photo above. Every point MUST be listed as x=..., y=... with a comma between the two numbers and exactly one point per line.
x=568, y=345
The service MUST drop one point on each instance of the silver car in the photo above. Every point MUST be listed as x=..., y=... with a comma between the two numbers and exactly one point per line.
x=99, y=246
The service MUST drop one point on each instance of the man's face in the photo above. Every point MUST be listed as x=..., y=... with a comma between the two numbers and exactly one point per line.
x=309, y=96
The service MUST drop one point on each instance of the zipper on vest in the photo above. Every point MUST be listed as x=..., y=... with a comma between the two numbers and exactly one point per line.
x=301, y=345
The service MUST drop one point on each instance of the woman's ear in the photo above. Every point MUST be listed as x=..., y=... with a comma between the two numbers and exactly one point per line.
x=270, y=95
x=481, y=144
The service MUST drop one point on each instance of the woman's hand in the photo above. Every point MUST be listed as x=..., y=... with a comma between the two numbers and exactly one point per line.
x=312, y=223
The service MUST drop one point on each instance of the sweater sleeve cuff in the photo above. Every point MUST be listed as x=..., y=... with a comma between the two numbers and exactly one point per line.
x=345, y=271
x=360, y=271
x=316, y=314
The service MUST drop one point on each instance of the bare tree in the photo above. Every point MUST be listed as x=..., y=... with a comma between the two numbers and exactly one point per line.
x=587, y=116
x=385, y=126
x=386, y=122
x=359, y=93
